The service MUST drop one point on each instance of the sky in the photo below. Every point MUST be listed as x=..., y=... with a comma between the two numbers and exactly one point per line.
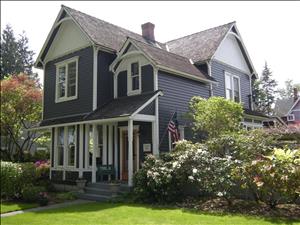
x=270, y=30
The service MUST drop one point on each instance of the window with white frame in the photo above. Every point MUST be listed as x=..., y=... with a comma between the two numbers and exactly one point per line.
x=134, y=78
x=71, y=145
x=60, y=146
x=291, y=117
x=232, y=87
x=66, y=146
x=66, y=80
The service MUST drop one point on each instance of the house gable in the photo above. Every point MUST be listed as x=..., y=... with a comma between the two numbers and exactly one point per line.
x=230, y=52
x=68, y=38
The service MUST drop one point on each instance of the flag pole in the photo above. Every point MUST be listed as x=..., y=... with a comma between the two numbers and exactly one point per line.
x=166, y=129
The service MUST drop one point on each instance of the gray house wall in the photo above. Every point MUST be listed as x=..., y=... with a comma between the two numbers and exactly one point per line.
x=218, y=73
x=177, y=93
x=296, y=112
x=105, y=81
x=84, y=101
x=146, y=81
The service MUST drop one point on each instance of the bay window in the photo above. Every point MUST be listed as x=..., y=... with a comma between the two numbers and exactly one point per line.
x=232, y=87
x=66, y=80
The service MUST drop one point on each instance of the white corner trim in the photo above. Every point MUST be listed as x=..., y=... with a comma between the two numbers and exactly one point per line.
x=155, y=78
x=95, y=76
x=160, y=93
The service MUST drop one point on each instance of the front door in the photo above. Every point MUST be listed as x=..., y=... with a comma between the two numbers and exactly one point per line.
x=124, y=154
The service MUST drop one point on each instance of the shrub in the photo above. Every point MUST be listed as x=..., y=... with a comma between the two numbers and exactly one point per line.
x=31, y=193
x=274, y=178
x=43, y=198
x=243, y=145
x=163, y=180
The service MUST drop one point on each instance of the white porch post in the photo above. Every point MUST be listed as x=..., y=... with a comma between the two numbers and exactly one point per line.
x=130, y=152
x=116, y=150
x=81, y=135
x=95, y=147
x=155, y=131
x=65, y=152
x=51, y=154
x=110, y=144
x=104, y=151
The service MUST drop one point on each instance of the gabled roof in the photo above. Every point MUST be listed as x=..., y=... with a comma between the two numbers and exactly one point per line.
x=121, y=107
x=99, y=32
x=168, y=61
x=283, y=106
x=200, y=46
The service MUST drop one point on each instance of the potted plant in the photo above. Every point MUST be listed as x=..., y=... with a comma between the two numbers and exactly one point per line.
x=81, y=182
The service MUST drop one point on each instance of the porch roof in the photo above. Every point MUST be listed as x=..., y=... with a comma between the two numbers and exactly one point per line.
x=121, y=107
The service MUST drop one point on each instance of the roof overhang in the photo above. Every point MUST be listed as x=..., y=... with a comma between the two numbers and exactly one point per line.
x=239, y=39
x=121, y=56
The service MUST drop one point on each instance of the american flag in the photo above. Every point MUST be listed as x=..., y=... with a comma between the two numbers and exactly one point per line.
x=173, y=128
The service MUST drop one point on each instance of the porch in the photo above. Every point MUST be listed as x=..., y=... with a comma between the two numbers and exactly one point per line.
x=108, y=144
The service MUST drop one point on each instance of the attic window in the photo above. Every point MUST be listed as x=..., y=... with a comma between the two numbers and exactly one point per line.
x=134, y=79
x=291, y=117
x=66, y=80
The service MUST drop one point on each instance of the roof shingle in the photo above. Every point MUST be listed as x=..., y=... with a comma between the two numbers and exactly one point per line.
x=200, y=46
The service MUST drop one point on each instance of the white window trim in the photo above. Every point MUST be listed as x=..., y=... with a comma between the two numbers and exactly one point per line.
x=58, y=65
x=292, y=117
x=129, y=78
x=232, y=85
x=65, y=149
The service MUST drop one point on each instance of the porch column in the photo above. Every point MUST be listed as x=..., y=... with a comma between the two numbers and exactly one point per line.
x=155, y=131
x=130, y=152
x=104, y=151
x=116, y=150
x=95, y=147
x=110, y=144
x=81, y=147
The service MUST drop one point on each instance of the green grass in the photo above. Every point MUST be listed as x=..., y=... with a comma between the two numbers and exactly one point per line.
x=109, y=213
x=14, y=206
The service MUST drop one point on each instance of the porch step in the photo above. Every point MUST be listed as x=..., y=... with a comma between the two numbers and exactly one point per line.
x=102, y=191
x=93, y=197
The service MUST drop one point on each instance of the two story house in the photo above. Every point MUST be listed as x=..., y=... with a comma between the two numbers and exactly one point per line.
x=109, y=93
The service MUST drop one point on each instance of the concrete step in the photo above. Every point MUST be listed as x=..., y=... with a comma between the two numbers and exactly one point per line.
x=100, y=191
x=93, y=197
x=102, y=185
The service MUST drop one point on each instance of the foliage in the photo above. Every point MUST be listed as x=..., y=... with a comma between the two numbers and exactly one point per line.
x=215, y=116
x=273, y=178
x=288, y=91
x=264, y=91
x=31, y=193
x=15, y=177
x=244, y=145
x=15, y=54
x=21, y=107
x=163, y=180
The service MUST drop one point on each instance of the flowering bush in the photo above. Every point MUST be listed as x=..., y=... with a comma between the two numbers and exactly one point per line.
x=164, y=179
x=42, y=169
x=16, y=176
x=274, y=178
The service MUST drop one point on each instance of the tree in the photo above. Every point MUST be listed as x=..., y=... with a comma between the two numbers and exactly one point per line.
x=21, y=107
x=15, y=54
x=288, y=91
x=215, y=116
x=264, y=91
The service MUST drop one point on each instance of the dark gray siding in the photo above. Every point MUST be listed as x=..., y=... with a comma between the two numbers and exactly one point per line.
x=146, y=81
x=149, y=109
x=177, y=93
x=147, y=78
x=218, y=73
x=84, y=101
x=122, y=84
x=105, y=78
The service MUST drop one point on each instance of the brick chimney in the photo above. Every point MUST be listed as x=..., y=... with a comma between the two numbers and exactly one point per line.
x=148, y=31
x=295, y=94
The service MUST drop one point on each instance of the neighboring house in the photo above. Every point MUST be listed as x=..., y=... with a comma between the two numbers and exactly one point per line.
x=289, y=109
x=109, y=93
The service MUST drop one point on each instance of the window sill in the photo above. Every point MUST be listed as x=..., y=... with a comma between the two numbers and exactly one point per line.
x=136, y=92
x=65, y=99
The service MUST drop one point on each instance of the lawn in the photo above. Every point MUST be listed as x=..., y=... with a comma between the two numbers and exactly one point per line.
x=13, y=206
x=110, y=213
